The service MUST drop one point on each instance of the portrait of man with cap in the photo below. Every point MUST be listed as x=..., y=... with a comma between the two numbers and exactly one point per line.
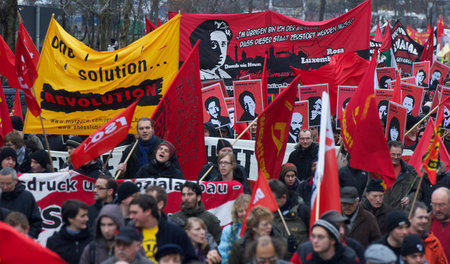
x=413, y=250
x=126, y=247
x=324, y=246
x=363, y=226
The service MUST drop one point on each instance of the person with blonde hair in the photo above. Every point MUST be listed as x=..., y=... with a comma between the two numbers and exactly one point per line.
x=229, y=171
x=231, y=232
x=196, y=229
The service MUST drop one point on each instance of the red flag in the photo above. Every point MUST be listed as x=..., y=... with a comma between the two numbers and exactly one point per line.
x=440, y=27
x=387, y=38
x=261, y=195
x=26, y=62
x=327, y=197
x=431, y=158
x=105, y=138
x=5, y=120
x=427, y=53
x=362, y=131
x=264, y=84
x=8, y=64
x=18, y=248
x=159, y=22
x=17, y=107
x=149, y=27
x=239, y=128
x=378, y=34
x=272, y=131
x=178, y=117
x=397, y=97
x=344, y=69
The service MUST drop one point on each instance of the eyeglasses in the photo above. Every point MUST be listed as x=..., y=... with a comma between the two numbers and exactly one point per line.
x=223, y=163
x=270, y=260
x=100, y=188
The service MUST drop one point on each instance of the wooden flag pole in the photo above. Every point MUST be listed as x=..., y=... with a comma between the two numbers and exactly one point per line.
x=106, y=163
x=423, y=119
x=415, y=196
x=284, y=222
x=128, y=157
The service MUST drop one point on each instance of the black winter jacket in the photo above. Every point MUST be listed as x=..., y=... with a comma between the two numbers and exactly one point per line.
x=303, y=160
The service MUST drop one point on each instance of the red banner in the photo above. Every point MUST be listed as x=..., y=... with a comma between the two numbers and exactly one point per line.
x=385, y=76
x=105, y=138
x=178, y=117
x=234, y=45
x=406, y=50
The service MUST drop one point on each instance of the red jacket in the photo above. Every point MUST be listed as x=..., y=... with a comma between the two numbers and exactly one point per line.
x=434, y=252
x=442, y=233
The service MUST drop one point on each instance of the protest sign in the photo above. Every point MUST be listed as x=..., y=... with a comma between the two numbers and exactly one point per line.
x=247, y=100
x=313, y=94
x=412, y=96
x=438, y=72
x=406, y=50
x=396, y=120
x=385, y=76
x=421, y=71
x=215, y=109
x=343, y=97
x=299, y=120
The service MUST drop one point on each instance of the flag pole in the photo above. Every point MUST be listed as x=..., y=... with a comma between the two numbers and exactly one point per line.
x=415, y=195
x=106, y=162
x=284, y=222
x=320, y=163
x=232, y=144
x=126, y=160
x=46, y=141
x=425, y=117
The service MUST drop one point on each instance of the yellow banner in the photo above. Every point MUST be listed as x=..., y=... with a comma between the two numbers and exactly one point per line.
x=80, y=89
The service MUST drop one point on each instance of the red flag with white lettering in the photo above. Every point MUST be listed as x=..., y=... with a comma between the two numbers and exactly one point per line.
x=261, y=195
x=325, y=192
x=105, y=138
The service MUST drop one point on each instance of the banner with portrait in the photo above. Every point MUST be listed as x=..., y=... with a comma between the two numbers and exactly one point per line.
x=406, y=50
x=396, y=122
x=343, y=97
x=222, y=86
x=445, y=107
x=385, y=76
x=412, y=96
x=382, y=97
x=80, y=89
x=421, y=71
x=247, y=100
x=313, y=93
x=438, y=72
x=215, y=109
x=299, y=120
x=234, y=45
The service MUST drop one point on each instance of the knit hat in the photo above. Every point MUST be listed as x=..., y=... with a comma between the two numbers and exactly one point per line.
x=168, y=249
x=7, y=152
x=334, y=216
x=222, y=143
x=128, y=234
x=125, y=190
x=170, y=146
x=375, y=186
x=41, y=157
x=287, y=167
x=330, y=227
x=74, y=141
x=395, y=219
x=349, y=195
x=17, y=123
x=379, y=254
x=412, y=244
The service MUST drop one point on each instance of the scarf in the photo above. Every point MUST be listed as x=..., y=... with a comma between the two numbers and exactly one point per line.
x=144, y=149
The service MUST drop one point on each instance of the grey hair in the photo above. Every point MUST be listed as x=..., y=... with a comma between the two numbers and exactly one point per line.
x=8, y=170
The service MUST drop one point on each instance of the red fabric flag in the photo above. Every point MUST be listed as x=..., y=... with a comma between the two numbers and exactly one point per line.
x=239, y=128
x=178, y=117
x=344, y=69
x=397, y=97
x=430, y=160
x=378, y=34
x=327, y=196
x=264, y=84
x=26, y=62
x=427, y=53
x=261, y=195
x=272, y=131
x=362, y=131
x=149, y=27
x=8, y=68
x=17, y=107
x=387, y=38
x=5, y=120
x=105, y=138
x=440, y=27
x=18, y=248
x=159, y=22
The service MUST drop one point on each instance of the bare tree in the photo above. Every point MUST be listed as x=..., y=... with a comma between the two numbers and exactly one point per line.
x=126, y=23
x=8, y=18
x=322, y=9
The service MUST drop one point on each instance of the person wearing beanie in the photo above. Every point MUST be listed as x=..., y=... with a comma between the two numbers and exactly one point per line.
x=379, y=254
x=374, y=203
x=126, y=192
x=223, y=146
x=8, y=158
x=288, y=175
x=413, y=250
x=397, y=225
x=324, y=246
x=40, y=162
x=162, y=165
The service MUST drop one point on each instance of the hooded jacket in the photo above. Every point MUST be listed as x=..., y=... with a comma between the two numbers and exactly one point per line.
x=305, y=254
x=101, y=249
x=21, y=200
x=68, y=246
